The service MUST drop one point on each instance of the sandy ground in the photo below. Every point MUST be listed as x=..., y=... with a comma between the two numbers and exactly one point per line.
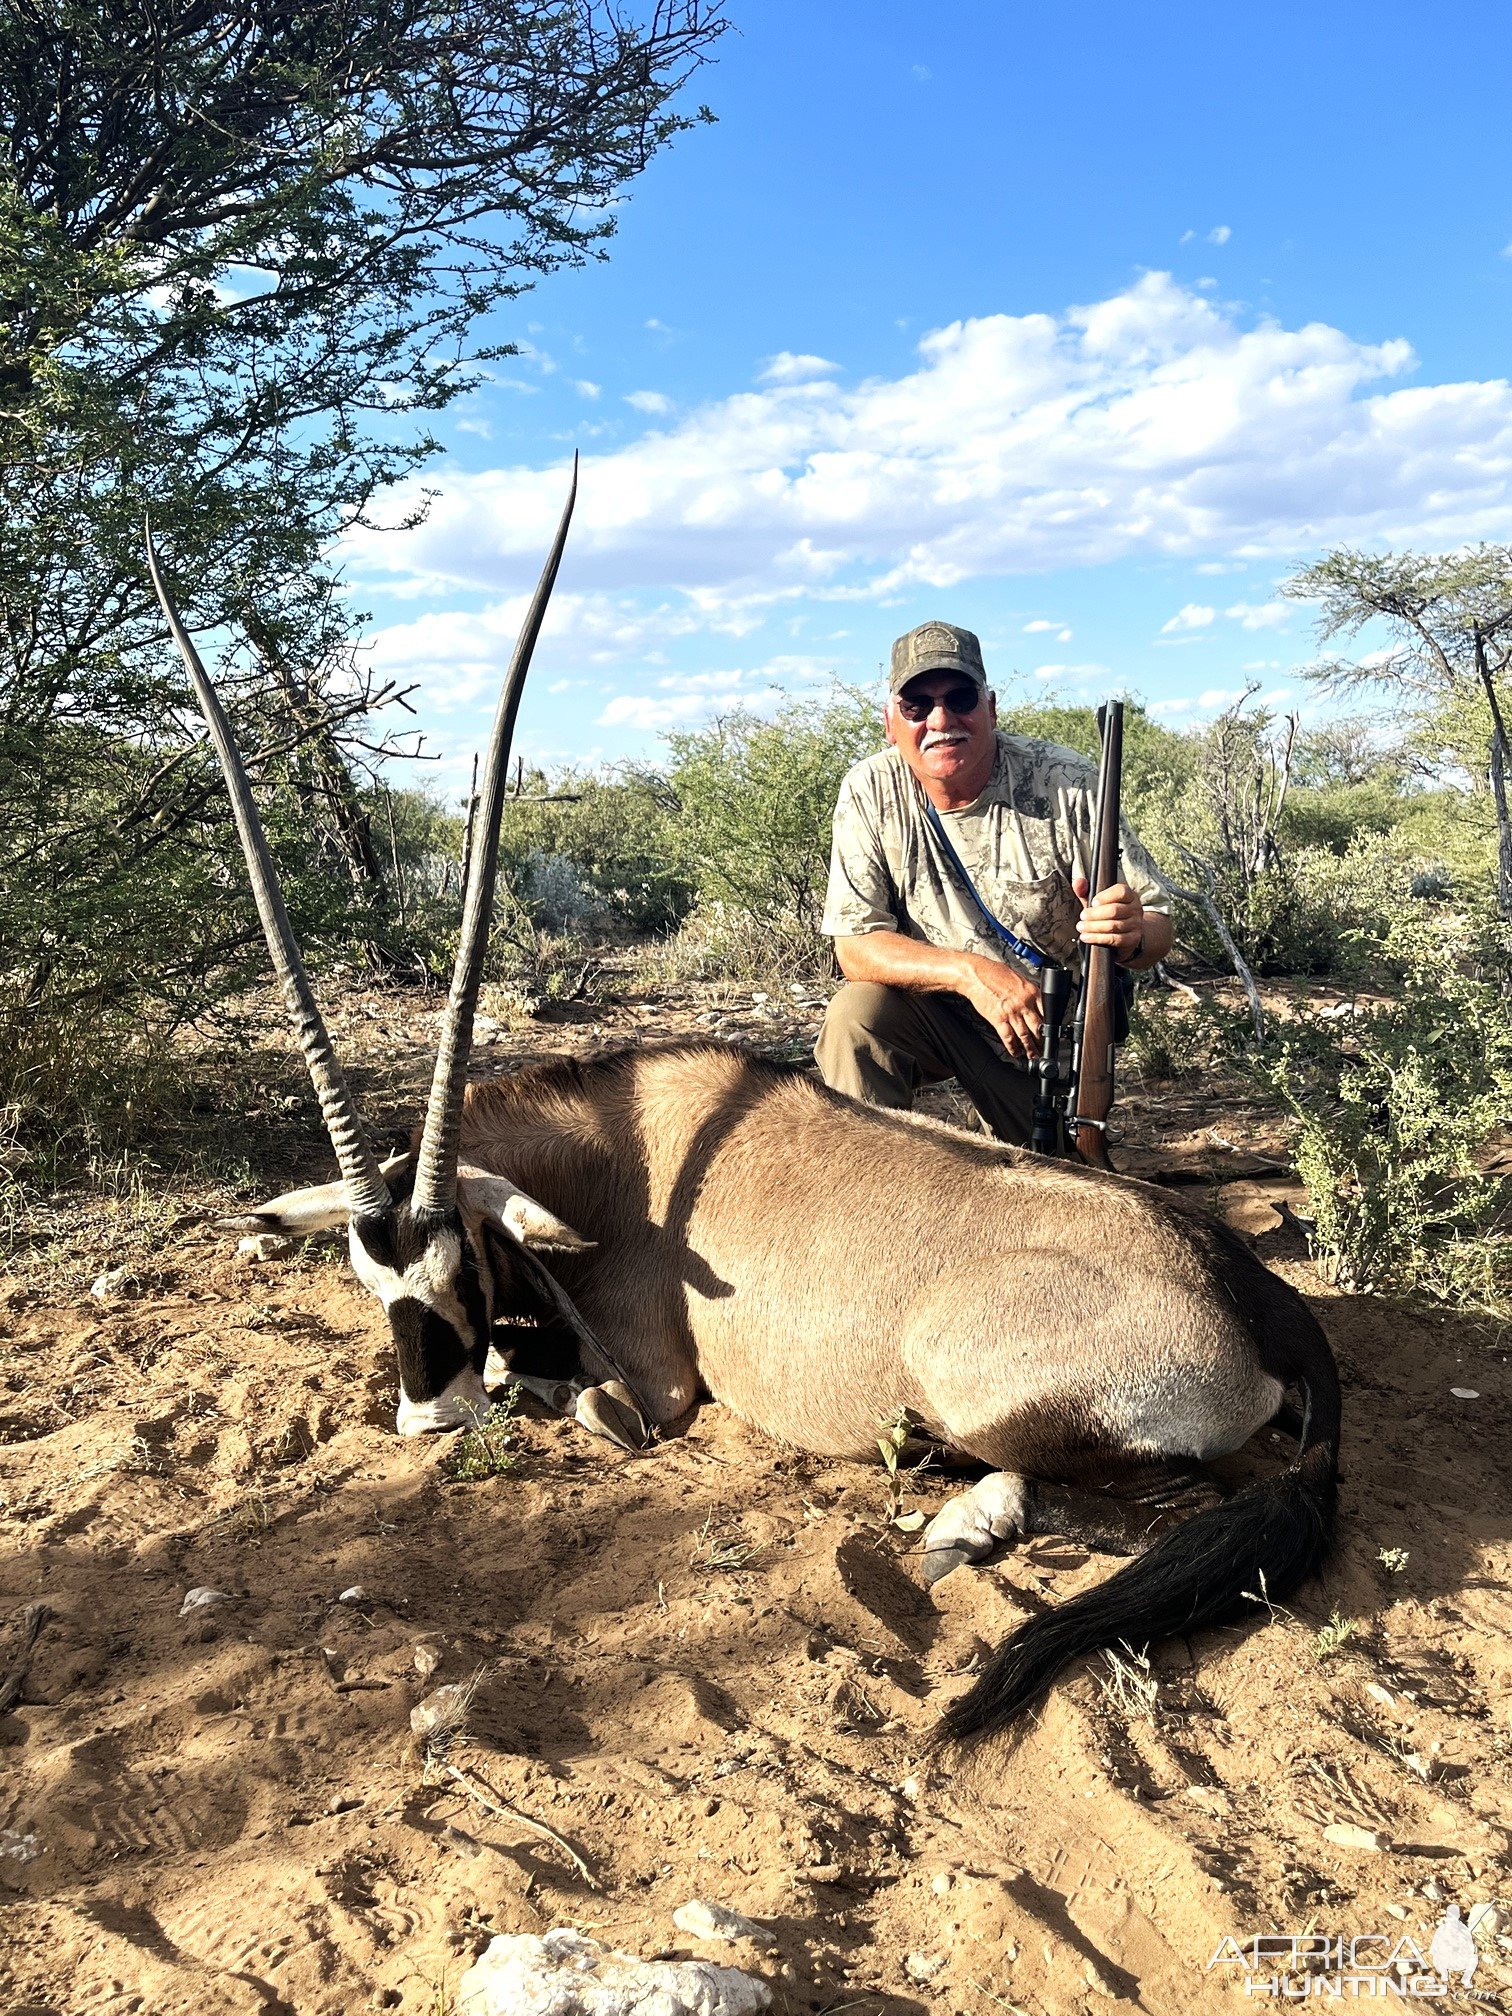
x=711, y=1670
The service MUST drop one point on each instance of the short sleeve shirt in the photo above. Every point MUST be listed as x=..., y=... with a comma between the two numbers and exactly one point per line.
x=1022, y=842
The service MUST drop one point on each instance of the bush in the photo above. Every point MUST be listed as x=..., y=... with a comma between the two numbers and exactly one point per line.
x=756, y=799
x=1396, y=1106
x=616, y=851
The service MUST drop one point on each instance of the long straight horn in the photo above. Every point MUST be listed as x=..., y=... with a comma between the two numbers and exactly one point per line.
x=436, y=1170
x=367, y=1193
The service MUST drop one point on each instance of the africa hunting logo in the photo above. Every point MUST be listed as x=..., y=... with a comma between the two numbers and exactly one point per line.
x=1374, y=1966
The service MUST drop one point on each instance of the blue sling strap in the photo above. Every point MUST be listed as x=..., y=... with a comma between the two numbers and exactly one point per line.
x=1021, y=949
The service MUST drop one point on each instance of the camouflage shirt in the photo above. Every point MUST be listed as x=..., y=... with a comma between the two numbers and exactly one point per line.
x=1021, y=842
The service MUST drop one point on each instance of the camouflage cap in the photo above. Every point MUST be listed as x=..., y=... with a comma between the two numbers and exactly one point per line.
x=936, y=647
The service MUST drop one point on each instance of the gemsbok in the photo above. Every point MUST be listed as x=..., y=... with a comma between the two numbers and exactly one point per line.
x=721, y=1225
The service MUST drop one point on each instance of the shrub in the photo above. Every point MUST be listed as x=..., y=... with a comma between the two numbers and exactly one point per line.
x=615, y=837
x=756, y=799
x=1396, y=1105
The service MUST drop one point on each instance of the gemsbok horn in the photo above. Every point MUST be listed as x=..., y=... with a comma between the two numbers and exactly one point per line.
x=441, y=1244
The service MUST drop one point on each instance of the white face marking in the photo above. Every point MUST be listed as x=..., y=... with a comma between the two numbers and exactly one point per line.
x=463, y=1405
x=431, y=1279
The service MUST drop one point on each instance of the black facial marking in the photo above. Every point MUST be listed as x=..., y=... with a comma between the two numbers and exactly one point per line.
x=431, y=1353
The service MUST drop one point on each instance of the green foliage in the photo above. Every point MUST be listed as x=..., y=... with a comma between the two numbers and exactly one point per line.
x=597, y=851
x=1159, y=764
x=1448, y=661
x=490, y=1447
x=754, y=803
x=1396, y=1104
x=241, y=251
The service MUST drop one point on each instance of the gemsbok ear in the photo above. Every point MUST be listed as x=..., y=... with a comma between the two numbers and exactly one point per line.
x=296, y=1214
x=299, y=1213
x=504, y=1205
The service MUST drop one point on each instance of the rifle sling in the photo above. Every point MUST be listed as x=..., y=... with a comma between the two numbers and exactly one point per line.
x=1029, y=955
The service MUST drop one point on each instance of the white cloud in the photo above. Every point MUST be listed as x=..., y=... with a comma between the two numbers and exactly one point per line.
x=649, y=402
x=1190, y=616
x=1260, y=615
x=586, y=389
x=1091, y=670
x=792, y=367
x=1213, y=701
x=1153, y=424
x=1220, y=234
x=681, y=699
x=1040, y=623
x=921, y=73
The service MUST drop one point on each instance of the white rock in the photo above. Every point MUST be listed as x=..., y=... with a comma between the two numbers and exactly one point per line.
x=702, y=1920
x=356, y=1594
x=1464, y=1393
x=18, y=1846
x=440, y=1712
x=427, y=1659
x=203, y=1599
x=114, y=1281
x=266, y=1246
x=565, y=1974
x=1344, y=1834
x=924, y=1966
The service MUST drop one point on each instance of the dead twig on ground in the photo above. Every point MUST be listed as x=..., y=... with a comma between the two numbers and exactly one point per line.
x=495, y=1806
x=33, y=1618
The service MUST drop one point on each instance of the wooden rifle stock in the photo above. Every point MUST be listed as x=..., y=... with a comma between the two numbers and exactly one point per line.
x=1094, y=1067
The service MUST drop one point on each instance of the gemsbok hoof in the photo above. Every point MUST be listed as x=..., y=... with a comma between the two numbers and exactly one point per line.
x=970, y=1526
x=609, y=1410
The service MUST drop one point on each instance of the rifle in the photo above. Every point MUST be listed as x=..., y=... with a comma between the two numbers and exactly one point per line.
x=1075, y=1105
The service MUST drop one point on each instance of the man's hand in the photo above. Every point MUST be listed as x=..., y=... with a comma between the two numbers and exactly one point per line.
x=1115, y=918
x=1002, y=996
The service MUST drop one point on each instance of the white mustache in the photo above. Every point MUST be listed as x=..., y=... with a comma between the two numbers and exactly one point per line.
x=943, y=739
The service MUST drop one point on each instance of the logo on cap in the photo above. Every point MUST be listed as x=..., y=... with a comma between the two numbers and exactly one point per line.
x=936, y=647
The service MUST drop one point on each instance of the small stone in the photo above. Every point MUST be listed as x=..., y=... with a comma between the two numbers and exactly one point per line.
x=115, y=1281
x=1432, y=1892
x=1344, y=1834
x=520, y=1974
x=343, y=1802
x=356, y=1594
x=203, y=1599
x=266, y=1246
x=702, y=1920
x=427, y=1659
x=1397, y=1911
x=910, y=1788
x=442, y=1713
x=941, y=1883
x=1486, y=1921
x=1379, y=1693
x=1464, y=1393
x=924, y=1966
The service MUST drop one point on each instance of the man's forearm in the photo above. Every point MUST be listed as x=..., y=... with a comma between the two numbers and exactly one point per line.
x=889, y=959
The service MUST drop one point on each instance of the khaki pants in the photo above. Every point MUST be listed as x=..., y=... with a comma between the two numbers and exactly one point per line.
x=880, y=1044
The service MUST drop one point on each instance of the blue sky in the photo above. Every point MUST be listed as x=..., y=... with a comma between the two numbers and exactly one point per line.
x=1079, y=326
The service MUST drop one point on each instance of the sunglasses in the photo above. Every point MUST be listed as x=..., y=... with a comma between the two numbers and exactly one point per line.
x=955, y=700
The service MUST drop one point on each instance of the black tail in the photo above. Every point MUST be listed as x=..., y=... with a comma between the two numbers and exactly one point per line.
x=1217, y=1566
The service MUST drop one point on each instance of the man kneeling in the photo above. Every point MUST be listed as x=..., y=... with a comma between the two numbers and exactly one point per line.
x=955, y=845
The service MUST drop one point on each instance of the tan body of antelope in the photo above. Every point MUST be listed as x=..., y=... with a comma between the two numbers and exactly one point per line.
x=717, y=1224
